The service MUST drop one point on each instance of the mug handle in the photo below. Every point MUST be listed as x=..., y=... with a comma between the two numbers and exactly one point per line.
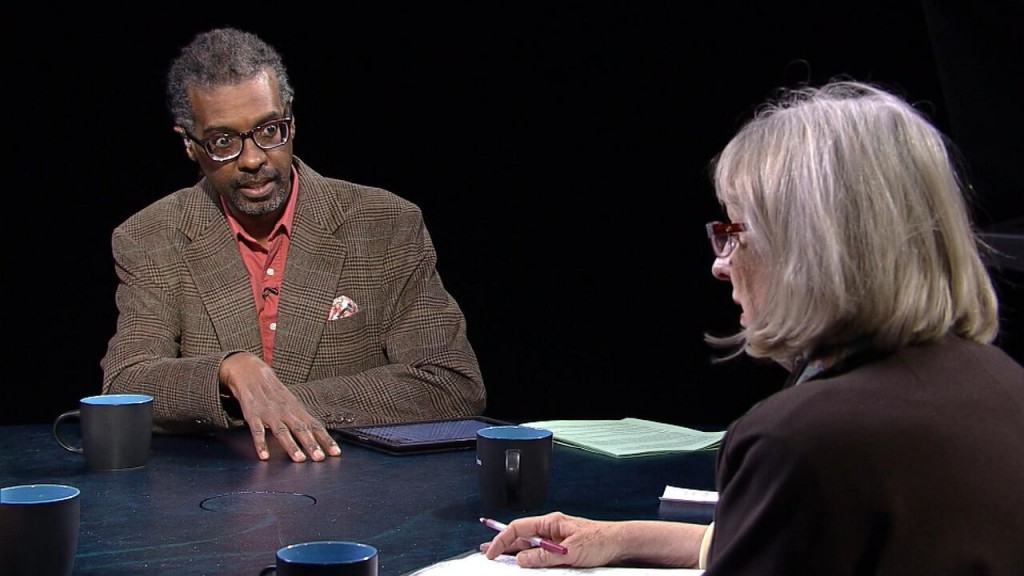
x=272, y=569
x=512, y=474
x=56, y=433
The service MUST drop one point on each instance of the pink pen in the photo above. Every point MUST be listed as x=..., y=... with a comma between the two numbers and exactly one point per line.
x=535, y=540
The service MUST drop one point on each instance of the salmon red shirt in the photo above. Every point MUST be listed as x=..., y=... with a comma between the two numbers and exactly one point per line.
x=266, y=266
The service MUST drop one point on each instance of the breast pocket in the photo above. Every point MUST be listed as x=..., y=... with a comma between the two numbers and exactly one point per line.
x=348, y=345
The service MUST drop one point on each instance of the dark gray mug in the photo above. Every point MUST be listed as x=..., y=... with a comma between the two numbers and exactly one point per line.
x=39, y=526
x=325, y=558
x=116, y=430
x=514, y=463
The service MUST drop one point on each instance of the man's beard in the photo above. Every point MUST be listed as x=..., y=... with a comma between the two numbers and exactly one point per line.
x=250, y=208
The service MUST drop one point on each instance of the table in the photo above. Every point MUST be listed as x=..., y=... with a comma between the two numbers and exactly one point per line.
x=206, y=505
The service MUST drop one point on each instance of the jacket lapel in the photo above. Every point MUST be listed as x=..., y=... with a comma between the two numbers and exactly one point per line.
x=311, y=278
x=218, y=272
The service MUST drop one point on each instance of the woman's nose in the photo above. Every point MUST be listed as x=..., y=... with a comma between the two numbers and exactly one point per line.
x=720, y=268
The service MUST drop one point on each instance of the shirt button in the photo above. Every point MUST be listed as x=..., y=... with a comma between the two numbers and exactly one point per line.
x=270, y=271
x=273, y=326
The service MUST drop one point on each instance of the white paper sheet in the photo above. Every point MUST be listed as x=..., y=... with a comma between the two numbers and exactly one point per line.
x=477, y=564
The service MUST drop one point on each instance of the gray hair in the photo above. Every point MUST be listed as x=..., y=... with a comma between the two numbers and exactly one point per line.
x=221, y=57
x=860, y=221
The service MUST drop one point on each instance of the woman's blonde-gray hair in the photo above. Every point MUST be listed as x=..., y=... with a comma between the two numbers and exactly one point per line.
x=858, y=216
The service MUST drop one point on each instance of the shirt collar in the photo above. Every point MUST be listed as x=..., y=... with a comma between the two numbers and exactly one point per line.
x=808, y=368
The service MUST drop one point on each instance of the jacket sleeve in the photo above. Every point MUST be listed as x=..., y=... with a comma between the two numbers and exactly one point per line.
x=143, y=356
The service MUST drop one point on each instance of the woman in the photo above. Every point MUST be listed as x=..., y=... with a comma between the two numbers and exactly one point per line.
x=897, y=444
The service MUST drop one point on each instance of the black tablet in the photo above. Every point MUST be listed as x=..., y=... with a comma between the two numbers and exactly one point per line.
x=419, y=437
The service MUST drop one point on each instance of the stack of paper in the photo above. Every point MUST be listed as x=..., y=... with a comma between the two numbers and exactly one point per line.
x=476, y=564
x=629, y=436
x=676, y=494
x=688, y=504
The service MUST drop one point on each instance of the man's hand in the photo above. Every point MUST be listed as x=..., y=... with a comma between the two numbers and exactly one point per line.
x=268, y=405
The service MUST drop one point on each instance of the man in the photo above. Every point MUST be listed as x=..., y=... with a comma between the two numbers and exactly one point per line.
x=270, y=296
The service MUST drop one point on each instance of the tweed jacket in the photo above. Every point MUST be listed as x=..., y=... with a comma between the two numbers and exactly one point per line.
x=184, y=303
x=906, y=465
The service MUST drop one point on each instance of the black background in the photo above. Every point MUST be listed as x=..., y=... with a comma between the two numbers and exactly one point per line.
x=559, y=152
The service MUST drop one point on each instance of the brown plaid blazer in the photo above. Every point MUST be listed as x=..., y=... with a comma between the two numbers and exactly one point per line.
x=184, y=302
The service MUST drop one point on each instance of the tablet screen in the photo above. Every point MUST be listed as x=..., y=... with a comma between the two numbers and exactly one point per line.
x=425, y=436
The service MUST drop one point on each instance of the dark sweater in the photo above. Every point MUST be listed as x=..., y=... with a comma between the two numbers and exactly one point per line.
x=910, y=464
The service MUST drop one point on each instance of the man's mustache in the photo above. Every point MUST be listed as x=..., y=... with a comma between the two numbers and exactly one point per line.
x=264, y=175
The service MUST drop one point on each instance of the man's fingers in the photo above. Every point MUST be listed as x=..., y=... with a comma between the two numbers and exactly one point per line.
x=259, y=440
x=309, y=441
x=313, y=438
x=285, y=439
x=328, y=442
x=301, y=439
x=325, y=443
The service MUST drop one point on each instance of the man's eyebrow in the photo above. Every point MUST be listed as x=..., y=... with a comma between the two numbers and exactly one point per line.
x=220, y=129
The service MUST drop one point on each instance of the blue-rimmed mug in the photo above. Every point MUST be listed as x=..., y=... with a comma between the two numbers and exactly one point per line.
x=514, y=463
x=116, y=430
x=39, y=526
x=325, y=558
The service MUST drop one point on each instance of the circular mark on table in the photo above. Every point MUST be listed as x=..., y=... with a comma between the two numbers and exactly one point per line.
x=257, y=502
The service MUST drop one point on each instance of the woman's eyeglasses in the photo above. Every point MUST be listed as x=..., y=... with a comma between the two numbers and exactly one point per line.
x=723, y=236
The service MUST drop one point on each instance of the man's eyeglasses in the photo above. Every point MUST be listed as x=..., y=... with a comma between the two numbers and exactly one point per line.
x=723, y=236
x=228, y=145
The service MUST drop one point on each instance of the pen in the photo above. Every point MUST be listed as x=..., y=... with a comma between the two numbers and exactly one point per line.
x=535, y=540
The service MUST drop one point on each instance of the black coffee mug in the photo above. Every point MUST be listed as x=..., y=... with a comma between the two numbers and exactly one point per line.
x=325, y=558
x=39, y=526
x=514, y=463
x=116, y=430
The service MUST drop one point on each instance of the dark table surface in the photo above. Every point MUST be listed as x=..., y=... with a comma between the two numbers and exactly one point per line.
x=206, y=505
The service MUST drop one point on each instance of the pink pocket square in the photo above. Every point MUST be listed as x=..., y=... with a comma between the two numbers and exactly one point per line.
x=342, y=307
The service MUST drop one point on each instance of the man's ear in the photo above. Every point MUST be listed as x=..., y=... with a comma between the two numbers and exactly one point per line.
x=189, y=144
